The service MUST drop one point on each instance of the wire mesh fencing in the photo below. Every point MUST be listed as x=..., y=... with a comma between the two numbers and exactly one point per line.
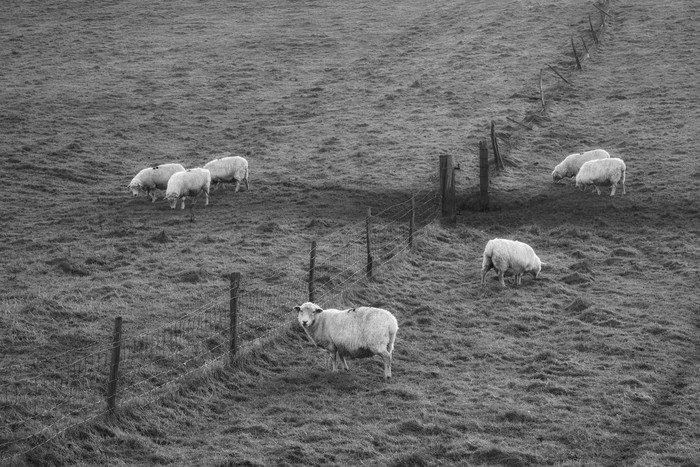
x=38, y=409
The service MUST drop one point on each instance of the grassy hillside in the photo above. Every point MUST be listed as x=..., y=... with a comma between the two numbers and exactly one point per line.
x=339, y=108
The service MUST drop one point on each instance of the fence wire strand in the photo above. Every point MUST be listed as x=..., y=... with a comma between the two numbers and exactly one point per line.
x=156, y=358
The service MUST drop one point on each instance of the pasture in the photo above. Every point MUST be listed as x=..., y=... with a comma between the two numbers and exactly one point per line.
x=339, y=107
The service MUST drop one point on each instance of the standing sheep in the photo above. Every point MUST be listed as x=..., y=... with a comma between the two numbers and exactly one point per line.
x=570, y=166
x=602, y=172
x=192, y=182
x=510, y=255
x=153, y=177
x=229, y=170
x=355, y=333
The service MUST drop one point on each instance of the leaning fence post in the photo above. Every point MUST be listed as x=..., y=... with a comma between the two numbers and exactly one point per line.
x=447, y=186
x=312, y=267
x=541, y=90
x=573, y=46
x=369, y=246
x=233, y=306
x=494, y=143
x=595, y=36
x=114, y=368
x=412, y=220
x=483, y=175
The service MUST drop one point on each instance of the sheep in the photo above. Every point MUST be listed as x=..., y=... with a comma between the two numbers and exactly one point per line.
x=151, y=178
x=191, y=183
x=570, y=166
x=602, y=172
x=510, y=255
x=229, y=170
x=356, y=333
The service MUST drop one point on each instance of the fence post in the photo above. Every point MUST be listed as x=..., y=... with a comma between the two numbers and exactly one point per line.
x=447, y=186
x=114, y=368
x=483, y=175
x=542, y=90
x=595, y=36
x=369, y=246
x=573, y=46
x=233, y=305
x=494, y=145
x=412, y=220
x=312, y=267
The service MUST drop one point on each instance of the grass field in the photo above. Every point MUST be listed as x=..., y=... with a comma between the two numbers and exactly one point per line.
x=338, y=108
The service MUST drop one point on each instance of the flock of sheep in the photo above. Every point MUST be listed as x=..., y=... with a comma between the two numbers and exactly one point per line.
x=365, y=331
x=179, y=184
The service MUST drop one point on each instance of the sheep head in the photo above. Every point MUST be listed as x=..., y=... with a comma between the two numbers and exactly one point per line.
x=172, y=198
x=307, y=313
x=135, y=188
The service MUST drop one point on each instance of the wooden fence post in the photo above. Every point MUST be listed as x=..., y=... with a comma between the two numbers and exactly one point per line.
x=541, y=90
x=494, y=144
x=573, y=46
x=483, y=175
x=114, y=368
x=412, y=220
x=312, y=267
x=447, y=187
x=233, y=309
x=595, y=36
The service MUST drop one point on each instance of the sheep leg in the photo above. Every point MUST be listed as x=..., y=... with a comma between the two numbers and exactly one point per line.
x=345, y=363
x=334, y=362
x=614, y=188
x=518, y=279
x=246, y=184
x=183, y=203
x=386, y=356
x=597, y=190
x=152, y=195
x=237, y=186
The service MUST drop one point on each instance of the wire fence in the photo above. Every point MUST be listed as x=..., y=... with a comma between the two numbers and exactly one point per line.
x=37, y=409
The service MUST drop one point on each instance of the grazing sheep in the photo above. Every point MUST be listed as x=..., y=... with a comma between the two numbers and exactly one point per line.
x=602, y=172
x=510, y=255
x=355, y=333
x=570, y=166
x=229, y=170
x=192, y=182
x=153, y=177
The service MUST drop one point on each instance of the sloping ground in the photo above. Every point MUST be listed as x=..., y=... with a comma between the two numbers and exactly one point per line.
x=595, y=364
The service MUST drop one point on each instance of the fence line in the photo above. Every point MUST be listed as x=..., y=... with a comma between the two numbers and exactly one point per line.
x=37, y=409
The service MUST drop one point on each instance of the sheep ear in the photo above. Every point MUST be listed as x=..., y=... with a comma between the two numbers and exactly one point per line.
x=318, y=310
x=297, y=309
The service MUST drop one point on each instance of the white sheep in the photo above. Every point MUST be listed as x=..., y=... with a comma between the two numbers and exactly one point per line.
x=602, y=172
x=151, y=178
x=570, y=166
x=510, y=255
x=229, y=170
x=355, y=333
x=192, y=183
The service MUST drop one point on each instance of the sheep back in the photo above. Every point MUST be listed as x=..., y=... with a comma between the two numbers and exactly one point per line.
x=228, y=169
x=155, y=177
x=357, y=332
x=510, y=255
x=602, y=172
x=571, y=165
x=191, y=183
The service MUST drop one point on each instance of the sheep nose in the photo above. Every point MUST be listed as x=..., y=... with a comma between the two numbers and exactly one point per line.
x=304, y=323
